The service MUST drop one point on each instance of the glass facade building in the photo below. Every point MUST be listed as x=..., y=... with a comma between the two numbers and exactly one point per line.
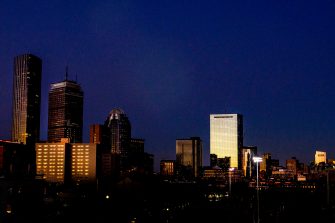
x=248, y=152
x=189, y=156
x=26, y=99
x=65, y=113
x=226, y=137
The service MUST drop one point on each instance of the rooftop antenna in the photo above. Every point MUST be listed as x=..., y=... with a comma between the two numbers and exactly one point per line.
x=76, y=78
x=66, y=72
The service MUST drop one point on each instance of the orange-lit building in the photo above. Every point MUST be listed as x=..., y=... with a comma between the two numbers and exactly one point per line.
x=66, y=162
x=167, y=167
x=320, y=157
x=98, y=134
x=83, y=162
x=50, y=161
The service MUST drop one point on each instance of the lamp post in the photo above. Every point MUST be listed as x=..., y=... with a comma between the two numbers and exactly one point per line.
x=230, y=170
x=257, y=160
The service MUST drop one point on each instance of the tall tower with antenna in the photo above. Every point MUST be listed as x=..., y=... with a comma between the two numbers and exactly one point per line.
x=65, y=112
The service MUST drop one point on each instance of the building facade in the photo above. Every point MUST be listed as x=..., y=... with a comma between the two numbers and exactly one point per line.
x=26, y=99
x=65, y=114
x=189, y=156
x=51, y=161
x=167, y=167
x=320, y=157
x=65, y=162
x=98, y=134
x=84, y=162
x=292, y=165
x=226, y=137
x=248, y=152
x=119, y=135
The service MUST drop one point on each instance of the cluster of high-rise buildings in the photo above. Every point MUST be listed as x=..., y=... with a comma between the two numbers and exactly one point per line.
x=64, y=158
x=112, y=151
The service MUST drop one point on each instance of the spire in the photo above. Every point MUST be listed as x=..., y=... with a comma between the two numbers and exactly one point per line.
x=66, y=72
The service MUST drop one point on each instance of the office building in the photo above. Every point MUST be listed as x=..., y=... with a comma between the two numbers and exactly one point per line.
x=65, y=114
x=248, y=152
x=98, y=134
x=292, y=165
x=265, y=167
x=226, y=137
x=51, y=160
x=136, y=153
x=119, y=135
x=66, y=162
x=320, y=157
x=26, y=99
x=167, y=167
x=189, y=156
x=84, y=162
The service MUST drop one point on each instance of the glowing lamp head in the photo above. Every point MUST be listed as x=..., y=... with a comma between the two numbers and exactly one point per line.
x=257, y=159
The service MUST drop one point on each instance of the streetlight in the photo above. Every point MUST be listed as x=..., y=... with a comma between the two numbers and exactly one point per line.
x=257, y=160
x=230, y=170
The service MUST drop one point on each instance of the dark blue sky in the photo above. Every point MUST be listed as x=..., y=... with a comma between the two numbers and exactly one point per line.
x=170, y=64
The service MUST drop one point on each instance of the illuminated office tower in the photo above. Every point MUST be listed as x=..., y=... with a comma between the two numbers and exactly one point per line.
x=120, y=135
x=26, y=99
x=189, y=156
x=320, y=157
x=65, y=114
x=226, y=137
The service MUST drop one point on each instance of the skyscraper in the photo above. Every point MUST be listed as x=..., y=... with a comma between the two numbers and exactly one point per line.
x=26, y=99
x=65, y=114
x=120, y=135
x=248, y=152
x=189, y=156
x=226, y=137
x=320, y=157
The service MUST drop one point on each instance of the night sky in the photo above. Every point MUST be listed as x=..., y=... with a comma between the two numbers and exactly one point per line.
x=170, y=64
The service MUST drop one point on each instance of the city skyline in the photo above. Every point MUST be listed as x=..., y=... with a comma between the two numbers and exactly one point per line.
x=171, y=65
